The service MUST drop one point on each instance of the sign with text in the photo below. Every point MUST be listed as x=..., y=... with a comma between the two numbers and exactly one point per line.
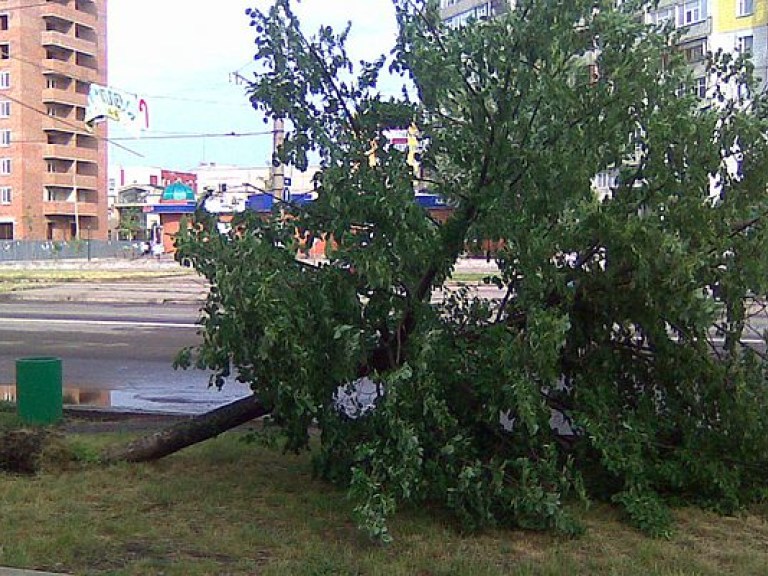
x=105, y=103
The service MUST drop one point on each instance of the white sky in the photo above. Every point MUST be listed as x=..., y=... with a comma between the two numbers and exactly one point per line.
x=178, y=55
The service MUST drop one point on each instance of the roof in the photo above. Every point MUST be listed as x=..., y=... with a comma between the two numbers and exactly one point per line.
x=178, y=192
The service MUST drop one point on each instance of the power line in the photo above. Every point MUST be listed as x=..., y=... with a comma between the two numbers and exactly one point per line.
x=69, y=124
x=169, y=136
x=47, y=69
x=201, y=135
x=200, y=100
x=11, y=8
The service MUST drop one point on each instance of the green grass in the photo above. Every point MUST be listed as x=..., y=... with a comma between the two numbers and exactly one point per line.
x=14, y=279
x=225, y=507
x=79, y=275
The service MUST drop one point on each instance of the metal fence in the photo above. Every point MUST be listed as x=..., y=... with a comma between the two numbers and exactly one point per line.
x=21, y=250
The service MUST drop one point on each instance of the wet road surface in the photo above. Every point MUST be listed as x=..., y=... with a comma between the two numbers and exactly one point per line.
x=113, y=355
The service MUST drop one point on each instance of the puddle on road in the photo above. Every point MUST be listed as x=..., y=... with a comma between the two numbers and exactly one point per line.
x=181, y=400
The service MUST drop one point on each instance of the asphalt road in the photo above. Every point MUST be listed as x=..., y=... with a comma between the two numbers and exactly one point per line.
x=120, y=354
x=113, y=355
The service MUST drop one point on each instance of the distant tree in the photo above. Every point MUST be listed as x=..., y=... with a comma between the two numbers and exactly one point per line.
x=609, y=306
x=130, y=223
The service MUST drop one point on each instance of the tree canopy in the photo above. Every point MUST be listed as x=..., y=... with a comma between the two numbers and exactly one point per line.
x=596, y=373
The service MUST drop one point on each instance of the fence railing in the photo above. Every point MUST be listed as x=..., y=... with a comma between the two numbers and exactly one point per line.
x=13, y=250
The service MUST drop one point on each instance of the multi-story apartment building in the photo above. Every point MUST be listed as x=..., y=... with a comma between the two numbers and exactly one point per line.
x=458, y=12
x=694, y=19
x=742, y=26
x=706, y=26
x=53, y=169
x=736, y=26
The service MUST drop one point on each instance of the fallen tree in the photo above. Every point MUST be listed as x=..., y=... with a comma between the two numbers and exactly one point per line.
x=187, y=432
x=609, y=301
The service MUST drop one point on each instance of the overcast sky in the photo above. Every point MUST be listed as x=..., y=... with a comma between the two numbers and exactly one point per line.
x=179, y=57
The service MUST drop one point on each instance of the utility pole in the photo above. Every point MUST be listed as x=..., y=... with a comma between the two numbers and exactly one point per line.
x=278, y=170
x=75, y=199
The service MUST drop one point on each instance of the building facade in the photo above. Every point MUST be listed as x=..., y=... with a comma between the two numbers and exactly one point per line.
x=459, y=12
x=53, y=169
x=133, y=191
x=742, y=26
x=706, y=26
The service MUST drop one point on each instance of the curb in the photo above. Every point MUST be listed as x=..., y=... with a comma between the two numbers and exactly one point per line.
x=20, y=572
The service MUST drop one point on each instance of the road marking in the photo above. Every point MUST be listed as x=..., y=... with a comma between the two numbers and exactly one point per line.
x=136, y=323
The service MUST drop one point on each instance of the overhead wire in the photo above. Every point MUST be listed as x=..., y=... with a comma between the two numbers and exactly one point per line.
x=156, y=96
x=38, y=5
x=114, y=141
x=71, y=125
x=169, y=136
x=67, y=123
x=48, y=69
x=200, y=135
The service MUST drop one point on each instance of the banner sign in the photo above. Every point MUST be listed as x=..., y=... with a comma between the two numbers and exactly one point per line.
x=123, y=107
x=408, y=140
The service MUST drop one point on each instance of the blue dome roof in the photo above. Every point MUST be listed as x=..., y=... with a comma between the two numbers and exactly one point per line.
x=178, y=192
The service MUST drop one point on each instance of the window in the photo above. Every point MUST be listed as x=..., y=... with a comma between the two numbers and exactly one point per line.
x=5, y=108
x=3, y=21
x=605, y=179
x=6, y=230
x=663, y=15
x=5, y=51
x=5, y=138
x=480, y=12
x=50, y=82
x=744, y=44
x=691, y=12
x=745, y=7
x=5, y=165
x=700, y=87
x=5, y=79
x=694, y=52
x=6, y=197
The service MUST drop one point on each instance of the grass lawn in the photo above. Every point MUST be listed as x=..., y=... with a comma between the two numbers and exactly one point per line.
x=226, y=507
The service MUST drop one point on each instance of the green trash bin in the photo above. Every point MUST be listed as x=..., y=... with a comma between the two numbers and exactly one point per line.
x=39, y=395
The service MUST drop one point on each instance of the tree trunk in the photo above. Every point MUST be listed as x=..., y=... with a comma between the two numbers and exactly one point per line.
x=187, y=433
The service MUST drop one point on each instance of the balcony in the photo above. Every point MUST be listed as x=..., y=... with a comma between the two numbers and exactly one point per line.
x=60, y=67
x=68, y=208
x=67, y=97
x=58, y=179
x=87, y=182
x=67, y=13
x=68, y=152
x=66, y=125
x=88, y=74
x=70, y=14
x=696, y=30
x=60, y=151
x=70, y=69
x=69, y=42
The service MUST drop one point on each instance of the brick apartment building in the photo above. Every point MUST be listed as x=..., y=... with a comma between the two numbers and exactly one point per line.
x=53, y=170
